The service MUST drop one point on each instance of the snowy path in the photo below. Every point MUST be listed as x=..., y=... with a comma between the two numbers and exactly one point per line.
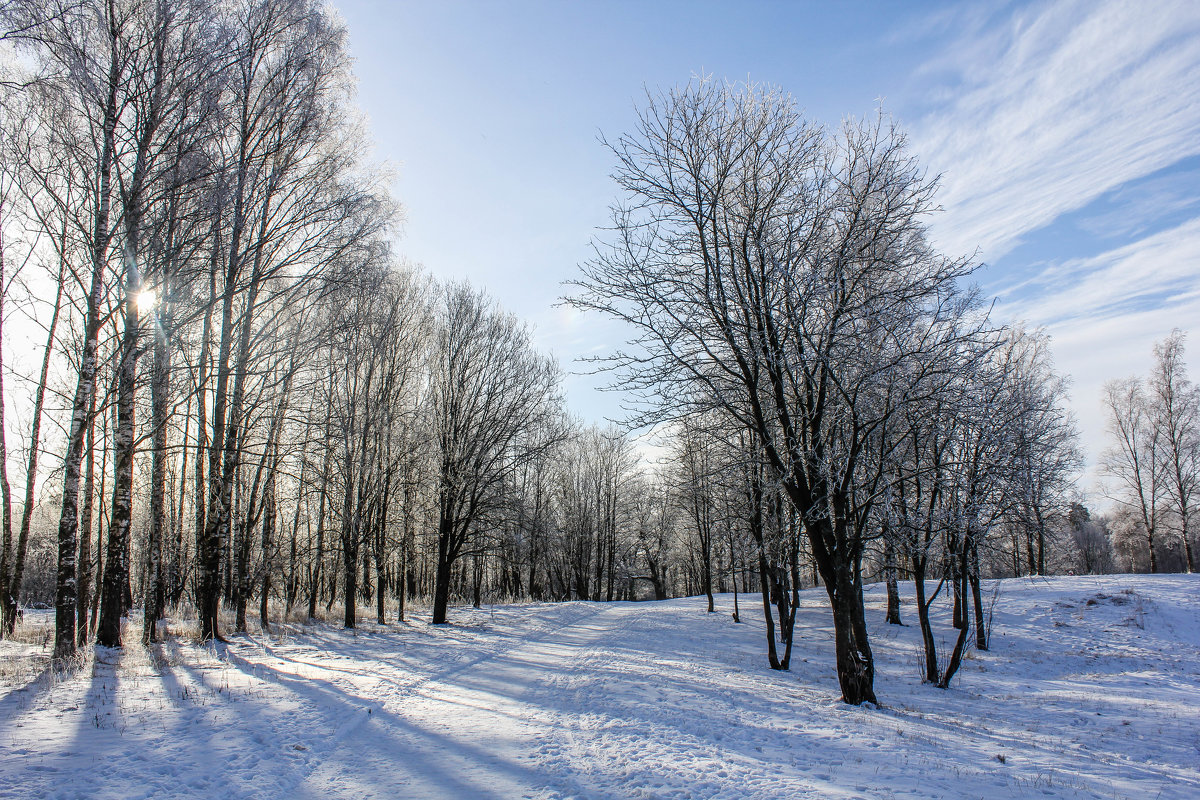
x=1092, y=689
x=467, y=730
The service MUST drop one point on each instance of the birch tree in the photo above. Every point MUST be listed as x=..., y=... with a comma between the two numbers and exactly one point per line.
x=170, y=50
x=1133, y=460
x=1176, y=412
x=295, y=203
x=83, y=95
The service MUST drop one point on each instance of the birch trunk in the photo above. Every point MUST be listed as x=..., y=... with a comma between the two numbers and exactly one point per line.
x=8, y=600
x=154, y=595
x=83, y=566
x=85, y=388
x=116, y=569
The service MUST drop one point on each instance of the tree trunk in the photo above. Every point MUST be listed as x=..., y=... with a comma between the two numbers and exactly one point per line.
x=706, y=568
x=315, y=582
x=401, y=578
x=477, y=582
x=404, y=573
x=954, y=568
x=441, y=589
x=380, y=582
x=8, y=597
x=116, y=569
x=1031, y=557
x=380, y=549
x=441, y=583
x=350, y=536
x=764, y=575
x=200, y=499
x=927, y=640
x=154, y=596
x=293, y=571
x=333, y=586
x=320, y=554
x=268, y=537
x=83, y=566
x=66, y=595
x=101, y=528
x=208, y=537
x=177, y=567
x=598, y=577
x=65, y=584
x=1150, y=548
x=755, y=497
x=1041, y=540
x=981, y=632
x=66, y=598
x=855, y=663
x=224, y=455
x=733, y=573
x=961, y=642
x=889, y=569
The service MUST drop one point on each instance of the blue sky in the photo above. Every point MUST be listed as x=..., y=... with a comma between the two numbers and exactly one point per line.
x=1067, y=135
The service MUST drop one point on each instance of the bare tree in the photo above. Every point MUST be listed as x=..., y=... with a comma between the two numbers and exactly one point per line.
x=698, y=468
x=82, y=105
x=1045, y=442
x=295, y=203
x=1133, y=461
x=1176, y=411
x=170, y=51
x=1093, y=541
x=656, y=519
x=494, y=408
x=8, y=598
x=780, y=273
x=378, y=333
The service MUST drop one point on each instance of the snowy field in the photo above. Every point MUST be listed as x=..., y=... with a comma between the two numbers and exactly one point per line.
x=1091, y=689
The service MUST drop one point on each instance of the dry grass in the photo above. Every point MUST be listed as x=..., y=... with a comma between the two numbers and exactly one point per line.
x=35, y=628
x=25, y=662
x=25, y=655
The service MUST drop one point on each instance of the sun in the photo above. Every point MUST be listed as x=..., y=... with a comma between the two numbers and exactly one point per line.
x=146, y=300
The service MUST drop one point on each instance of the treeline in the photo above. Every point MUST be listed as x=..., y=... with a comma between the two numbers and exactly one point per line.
x=238, y=397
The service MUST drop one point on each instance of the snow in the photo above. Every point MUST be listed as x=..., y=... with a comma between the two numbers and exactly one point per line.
x=1091, y=689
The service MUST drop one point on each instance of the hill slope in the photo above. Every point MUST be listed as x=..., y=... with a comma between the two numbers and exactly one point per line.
x=1091, y=689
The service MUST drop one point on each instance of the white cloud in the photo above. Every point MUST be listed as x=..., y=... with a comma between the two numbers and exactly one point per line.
x=1036, y=112
x=1075, y=99
x=1104, y=315
x=1155, y=273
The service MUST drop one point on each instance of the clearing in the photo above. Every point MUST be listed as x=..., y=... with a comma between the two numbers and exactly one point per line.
x=1091, y=689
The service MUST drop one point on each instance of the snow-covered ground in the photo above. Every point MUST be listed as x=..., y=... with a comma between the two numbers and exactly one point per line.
x=1091, y=689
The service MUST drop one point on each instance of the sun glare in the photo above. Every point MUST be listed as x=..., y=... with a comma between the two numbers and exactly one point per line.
x=146, y=299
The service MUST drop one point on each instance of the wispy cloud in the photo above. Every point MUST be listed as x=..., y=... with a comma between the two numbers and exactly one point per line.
x=1053, y=106
x=1154, y=273
x=1104, y=314
x=1039, y=111
x=1135, y=208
